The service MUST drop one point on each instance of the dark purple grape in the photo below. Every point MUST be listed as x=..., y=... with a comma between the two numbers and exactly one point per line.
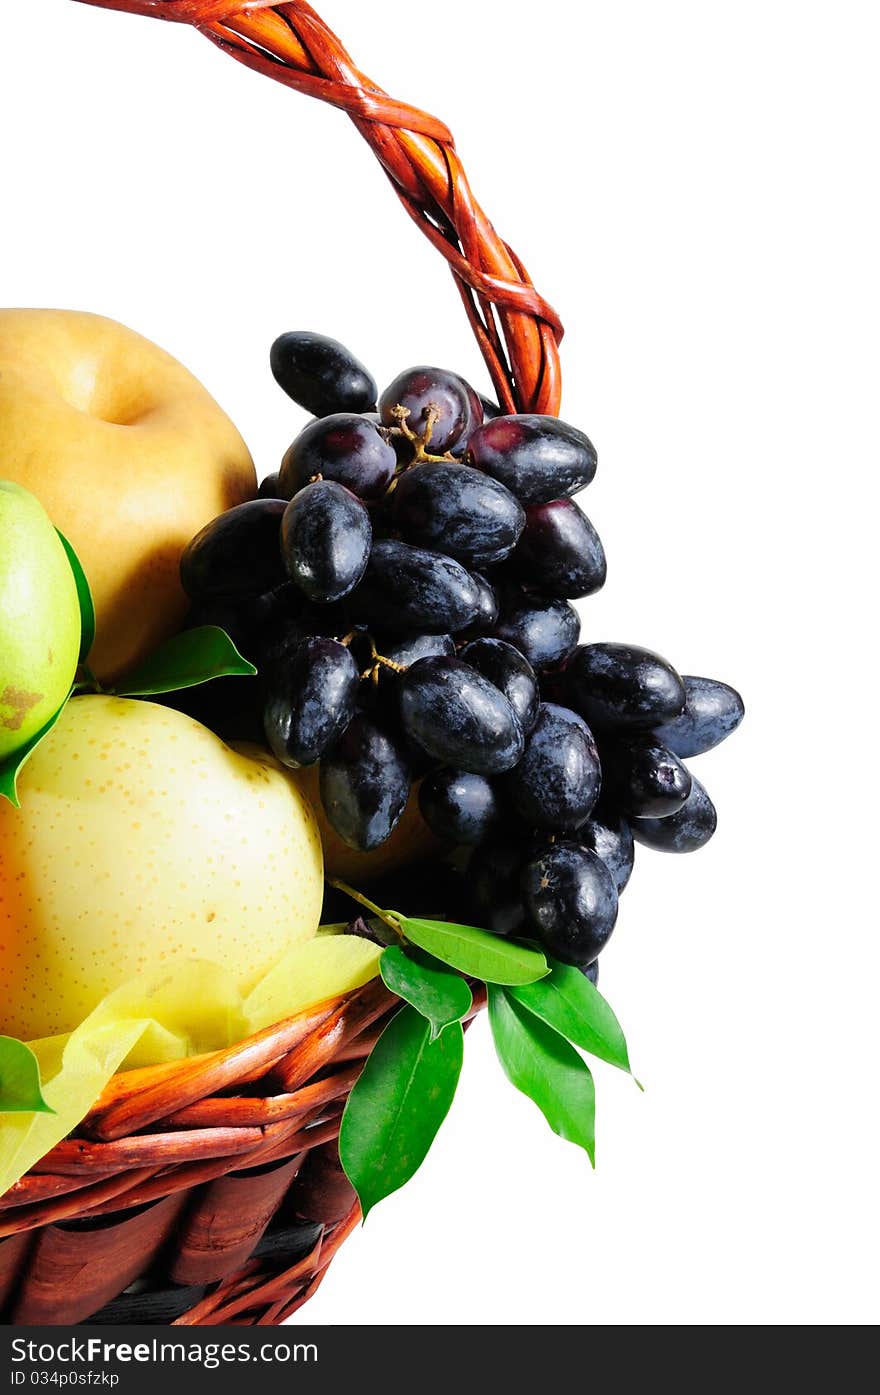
x=422, y=389
x=365, y=784
x=537, y=458
x=321, y=374
x=459, y=806
x=571, y=901
x=491, y=410
x=381, y=702
x=487, y=615
x=712, y=710
x=269, y=487
x=411, y=648
x=248, y=620
x=508, y=670
x=556, y=784
x=560, y=552
x=544, y=630
x=492, y=885
x=237, y=554
x=610, y=837
x=455, y=509
x=406, y=588
x=417, y=758
x=685, y=831
x=620, y=685
x=476, y=414
x=459, y=717
x=345, y=448
x=310, y=700
x=644, y=779
x=591, y=971
x=325, y=537
x=477, y=408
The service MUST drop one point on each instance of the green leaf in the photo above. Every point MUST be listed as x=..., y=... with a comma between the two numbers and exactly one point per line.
x=398, y=1104
x=475, y=952
x=11, y=767
x=569, y=1003
x=436, y=992
x=86, y=604
x=540, y=1063
x=192, y=657
x=20, y=1090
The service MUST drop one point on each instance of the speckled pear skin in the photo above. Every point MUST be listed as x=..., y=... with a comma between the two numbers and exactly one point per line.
x=130, y=456
x=143, y=839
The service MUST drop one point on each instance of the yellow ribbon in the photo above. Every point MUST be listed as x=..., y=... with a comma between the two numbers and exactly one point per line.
x=166, y=1016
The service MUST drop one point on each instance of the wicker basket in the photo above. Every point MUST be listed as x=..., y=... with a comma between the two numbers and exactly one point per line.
x=209, y=1190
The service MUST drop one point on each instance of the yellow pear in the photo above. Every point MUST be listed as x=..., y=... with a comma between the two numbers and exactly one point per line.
x=129, y=455
x=143, y=840
x=39, y=618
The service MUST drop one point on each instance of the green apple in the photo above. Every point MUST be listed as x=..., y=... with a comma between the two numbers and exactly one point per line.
x=39, y=618
x=143, y=840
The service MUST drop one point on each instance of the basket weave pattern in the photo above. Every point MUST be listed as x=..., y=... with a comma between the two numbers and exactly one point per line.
x=217, y=1179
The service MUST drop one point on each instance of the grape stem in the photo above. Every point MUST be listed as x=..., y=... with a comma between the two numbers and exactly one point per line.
x=403, y=428
x=419, y=444
x=388, y=917
x=432, y=417
x=390, y=663
x=378, y=661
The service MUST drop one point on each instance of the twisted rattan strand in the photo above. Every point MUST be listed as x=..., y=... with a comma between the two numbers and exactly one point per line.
x=517, y=331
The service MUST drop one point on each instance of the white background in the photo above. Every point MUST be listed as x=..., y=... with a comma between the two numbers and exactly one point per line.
x=694, y=187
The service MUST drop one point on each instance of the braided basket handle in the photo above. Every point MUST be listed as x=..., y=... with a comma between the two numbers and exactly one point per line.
x=517, y=331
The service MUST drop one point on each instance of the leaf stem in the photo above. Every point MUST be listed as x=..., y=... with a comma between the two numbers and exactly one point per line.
x=85, y=678
x=388, y=916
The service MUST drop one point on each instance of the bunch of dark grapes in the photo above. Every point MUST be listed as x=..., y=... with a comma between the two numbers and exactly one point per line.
x=404, y=585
